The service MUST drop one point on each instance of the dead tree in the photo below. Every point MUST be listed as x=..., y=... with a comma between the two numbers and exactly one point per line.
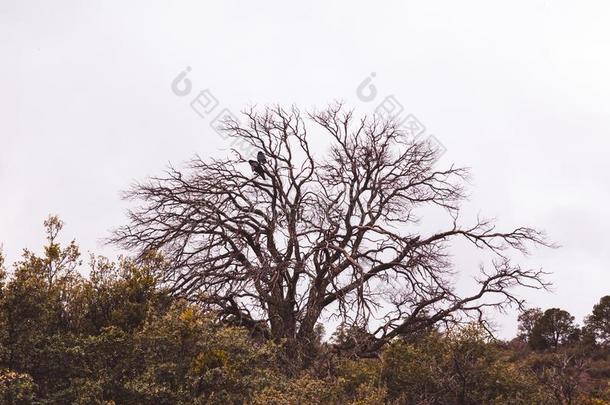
x=322, y=235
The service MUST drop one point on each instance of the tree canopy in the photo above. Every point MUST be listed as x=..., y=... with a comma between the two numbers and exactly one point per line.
x=110, y=332
x=598, y=323
x=334, y=233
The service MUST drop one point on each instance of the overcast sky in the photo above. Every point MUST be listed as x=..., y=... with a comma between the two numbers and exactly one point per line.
x=519, y=91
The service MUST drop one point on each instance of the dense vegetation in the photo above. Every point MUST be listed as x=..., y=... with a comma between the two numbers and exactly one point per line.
x=117, y=337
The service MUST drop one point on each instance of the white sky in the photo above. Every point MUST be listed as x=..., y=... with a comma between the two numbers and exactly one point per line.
x=518, y=91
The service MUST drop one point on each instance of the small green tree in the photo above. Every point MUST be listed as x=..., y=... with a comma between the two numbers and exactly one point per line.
x=598, y=323
x=39, y=303
x=527, y=319
x=553, y=328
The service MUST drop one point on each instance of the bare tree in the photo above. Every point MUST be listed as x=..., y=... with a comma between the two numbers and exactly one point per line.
x=315, y=236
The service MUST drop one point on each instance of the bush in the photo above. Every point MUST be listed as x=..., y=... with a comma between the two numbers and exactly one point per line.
x=16, y=388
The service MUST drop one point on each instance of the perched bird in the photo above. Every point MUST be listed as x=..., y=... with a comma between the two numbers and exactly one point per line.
x=257, y=168
x=262, y=159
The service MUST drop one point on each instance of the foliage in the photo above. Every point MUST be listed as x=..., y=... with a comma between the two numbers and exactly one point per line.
x=553, y=328
x=598, y=323
x=527, y=320
x=462, y=367
x=118, y=337
x=16, y=388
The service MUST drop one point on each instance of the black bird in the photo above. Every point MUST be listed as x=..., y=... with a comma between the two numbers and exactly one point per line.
x=257, y=168
x=262, y=159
